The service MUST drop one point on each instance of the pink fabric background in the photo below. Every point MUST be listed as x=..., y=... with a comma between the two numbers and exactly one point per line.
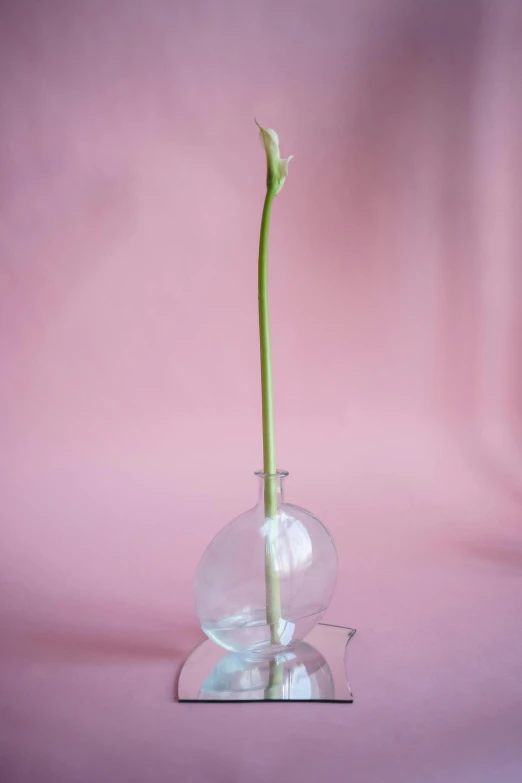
x=131, y=188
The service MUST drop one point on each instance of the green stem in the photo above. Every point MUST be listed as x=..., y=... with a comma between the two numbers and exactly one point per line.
x=273, y=592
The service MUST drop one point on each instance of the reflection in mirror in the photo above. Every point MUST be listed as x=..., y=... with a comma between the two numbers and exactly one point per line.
x=309, y=671
x=300, y=673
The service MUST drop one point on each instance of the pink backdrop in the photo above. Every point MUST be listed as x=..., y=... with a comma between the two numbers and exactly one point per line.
x=131, y=189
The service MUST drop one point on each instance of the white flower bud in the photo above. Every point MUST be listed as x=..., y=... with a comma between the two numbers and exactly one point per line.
x=277, y=167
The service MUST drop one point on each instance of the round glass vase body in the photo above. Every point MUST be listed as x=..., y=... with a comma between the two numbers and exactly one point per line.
x=265, y=581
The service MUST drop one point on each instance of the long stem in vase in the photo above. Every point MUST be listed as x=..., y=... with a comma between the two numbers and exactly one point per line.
x=277, y=170
x=273, y=589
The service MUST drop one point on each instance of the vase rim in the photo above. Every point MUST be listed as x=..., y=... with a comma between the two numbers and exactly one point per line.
x=277, y=474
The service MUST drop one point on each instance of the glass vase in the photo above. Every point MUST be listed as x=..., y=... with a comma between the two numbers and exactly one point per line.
x=265, y=581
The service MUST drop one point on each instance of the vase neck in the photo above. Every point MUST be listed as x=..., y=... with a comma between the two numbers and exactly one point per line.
x=271, y=485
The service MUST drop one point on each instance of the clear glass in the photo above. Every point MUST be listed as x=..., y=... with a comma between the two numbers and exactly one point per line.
x=231, y=579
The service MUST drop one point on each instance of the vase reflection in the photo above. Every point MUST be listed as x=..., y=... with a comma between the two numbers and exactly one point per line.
x=298, y=674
